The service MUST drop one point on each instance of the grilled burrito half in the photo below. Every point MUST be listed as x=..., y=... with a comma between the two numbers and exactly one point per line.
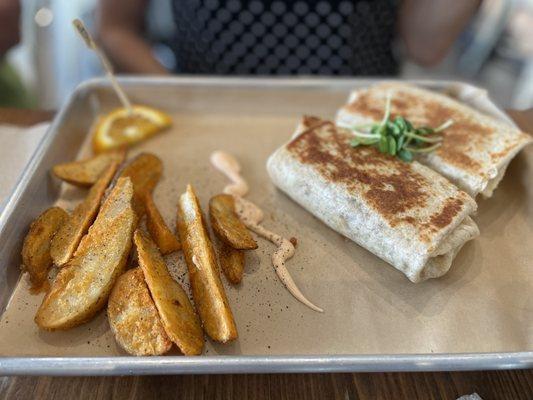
x=405, y=213
x=476, y=149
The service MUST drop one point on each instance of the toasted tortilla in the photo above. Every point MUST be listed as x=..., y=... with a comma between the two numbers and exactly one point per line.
x=82, y=286
x=476, y=149
x=405, y=213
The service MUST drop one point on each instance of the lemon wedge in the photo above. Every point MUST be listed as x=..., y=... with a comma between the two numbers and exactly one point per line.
x=121, y=128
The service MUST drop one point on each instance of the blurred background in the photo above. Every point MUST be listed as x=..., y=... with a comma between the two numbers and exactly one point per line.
x=493, y=45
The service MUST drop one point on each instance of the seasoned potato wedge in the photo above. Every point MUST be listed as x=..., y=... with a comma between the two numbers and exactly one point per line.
x=82, y=286
x=68, y=237
x=144, y=171
x=133, y=317
x=160, y=232
x=207, y=290
x=231, y=261
x=36, y=258
x=86, y=172
x=227, y=225
x=179, y=319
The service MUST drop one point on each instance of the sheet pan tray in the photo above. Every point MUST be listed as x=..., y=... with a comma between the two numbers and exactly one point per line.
x=478, y=316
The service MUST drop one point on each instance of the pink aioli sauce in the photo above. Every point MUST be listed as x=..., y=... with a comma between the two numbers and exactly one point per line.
x=252, y=216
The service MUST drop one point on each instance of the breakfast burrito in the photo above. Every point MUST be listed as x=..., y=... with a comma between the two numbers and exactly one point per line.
x=476, y=149
x=405, y=213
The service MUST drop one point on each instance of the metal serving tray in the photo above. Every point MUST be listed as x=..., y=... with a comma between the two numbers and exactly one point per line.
x=478, y=316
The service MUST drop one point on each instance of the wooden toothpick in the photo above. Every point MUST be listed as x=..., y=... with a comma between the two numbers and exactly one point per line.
x=90, y=43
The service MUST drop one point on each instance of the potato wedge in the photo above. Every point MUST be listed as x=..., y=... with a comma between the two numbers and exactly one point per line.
x=144, y=171
x=227, y=225
x=160, y=232
x=86, y=172
x=82, y=286
x=69, y=235
x=133, y=317
x=231, y=261
x=36, y=259
x=179, y=319
x=207, y=290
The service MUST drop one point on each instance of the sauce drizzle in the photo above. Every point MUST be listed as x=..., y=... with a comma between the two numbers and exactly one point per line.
x=228, y=165
x=252, y=216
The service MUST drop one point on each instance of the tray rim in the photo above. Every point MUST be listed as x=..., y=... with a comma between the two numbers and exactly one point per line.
x=172, y=365
x=126, y=365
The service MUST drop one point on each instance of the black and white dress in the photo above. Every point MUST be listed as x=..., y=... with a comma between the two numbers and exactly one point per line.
x=302, y=37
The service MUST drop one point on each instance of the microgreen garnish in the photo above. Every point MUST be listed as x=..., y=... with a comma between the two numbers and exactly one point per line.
x=398, y=137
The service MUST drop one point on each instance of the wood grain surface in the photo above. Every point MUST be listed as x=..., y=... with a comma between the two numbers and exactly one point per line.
x=499, y=385
x=24, y=117
x=489, y=385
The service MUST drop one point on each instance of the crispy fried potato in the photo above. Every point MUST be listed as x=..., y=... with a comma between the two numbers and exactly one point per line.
x=227, y=225
x=207, y=290
x=160, y=232
x=133, y=317
x=231, y=261
x=86, y=172
x=179, y=319
x=68, y=237
x=144, y=171
x=36, y=248
x=82, y=286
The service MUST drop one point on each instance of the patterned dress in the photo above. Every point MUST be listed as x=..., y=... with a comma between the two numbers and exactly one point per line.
x=303, y=37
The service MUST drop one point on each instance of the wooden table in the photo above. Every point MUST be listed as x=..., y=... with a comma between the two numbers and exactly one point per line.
x=431, y=385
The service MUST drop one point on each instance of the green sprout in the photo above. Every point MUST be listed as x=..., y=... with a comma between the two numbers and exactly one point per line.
x=398, y=137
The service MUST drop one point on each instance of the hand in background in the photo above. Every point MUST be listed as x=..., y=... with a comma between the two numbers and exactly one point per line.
x=120, y=31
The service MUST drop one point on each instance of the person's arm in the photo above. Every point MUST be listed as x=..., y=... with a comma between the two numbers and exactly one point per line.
x=429, y=27
x=9, y=24
x=120, y=31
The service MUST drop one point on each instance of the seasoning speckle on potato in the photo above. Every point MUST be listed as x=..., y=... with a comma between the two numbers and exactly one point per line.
x=133, y=317
x=227, y=225
x=207, y=289
x=86, y=172
x=231, y=261
x=160, y=232
x=179, y=319
x=36, y=259
x=82, y=286
x=145, y=171
x=69, y=235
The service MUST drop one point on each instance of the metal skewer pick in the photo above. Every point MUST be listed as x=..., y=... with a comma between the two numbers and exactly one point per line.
x=90, y=43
